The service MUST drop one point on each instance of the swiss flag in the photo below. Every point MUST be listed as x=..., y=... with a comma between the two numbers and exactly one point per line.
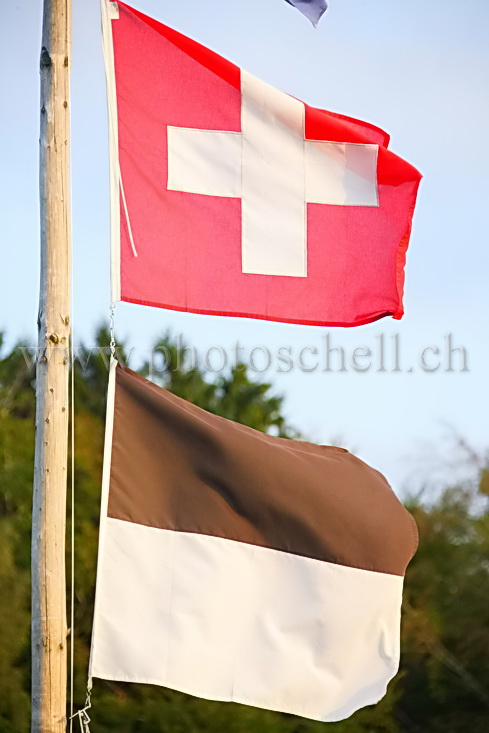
x=232, y=198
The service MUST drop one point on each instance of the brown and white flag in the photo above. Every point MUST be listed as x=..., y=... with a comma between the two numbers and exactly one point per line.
x=239, y=566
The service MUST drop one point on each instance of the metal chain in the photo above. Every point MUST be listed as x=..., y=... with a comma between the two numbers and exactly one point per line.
x=82, y=715
x=112, y=330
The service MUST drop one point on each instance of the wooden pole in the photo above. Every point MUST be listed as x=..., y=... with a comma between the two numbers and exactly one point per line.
x=49, y=631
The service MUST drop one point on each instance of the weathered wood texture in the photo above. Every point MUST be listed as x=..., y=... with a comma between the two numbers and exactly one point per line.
x=49, y=631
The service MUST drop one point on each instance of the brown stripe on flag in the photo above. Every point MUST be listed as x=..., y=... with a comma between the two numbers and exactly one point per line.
x=176, y=467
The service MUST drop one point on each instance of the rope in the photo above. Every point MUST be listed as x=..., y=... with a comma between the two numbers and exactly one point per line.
x=72, y=582
x=82, y=715
x=126, y=212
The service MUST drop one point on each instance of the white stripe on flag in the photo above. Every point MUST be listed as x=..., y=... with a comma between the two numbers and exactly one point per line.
x=230, y=621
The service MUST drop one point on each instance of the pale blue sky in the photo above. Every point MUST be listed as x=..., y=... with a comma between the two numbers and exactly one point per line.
x=418, y=69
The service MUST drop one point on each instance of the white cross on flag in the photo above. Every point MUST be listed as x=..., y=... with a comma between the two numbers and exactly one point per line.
x=230, y=197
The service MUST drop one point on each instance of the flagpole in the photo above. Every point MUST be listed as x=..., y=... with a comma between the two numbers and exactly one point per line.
x=49, y=629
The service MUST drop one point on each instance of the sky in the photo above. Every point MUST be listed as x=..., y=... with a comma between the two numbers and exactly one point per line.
x=416, y=69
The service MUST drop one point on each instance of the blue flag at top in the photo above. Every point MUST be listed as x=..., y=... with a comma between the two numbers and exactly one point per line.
x=312, y=9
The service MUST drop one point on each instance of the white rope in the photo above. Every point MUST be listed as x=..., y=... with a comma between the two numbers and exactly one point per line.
x=108, y=14
x=126, y=212
x=72, y=593
x=82, y=715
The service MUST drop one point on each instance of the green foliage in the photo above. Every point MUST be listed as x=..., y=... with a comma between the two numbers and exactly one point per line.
x=14, y=614
x=444, y=678
x=446, y=621
x=16, y=464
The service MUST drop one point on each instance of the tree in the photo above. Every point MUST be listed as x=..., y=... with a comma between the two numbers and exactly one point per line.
x=16, y=468
x=446, y=615
x=444, y=676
